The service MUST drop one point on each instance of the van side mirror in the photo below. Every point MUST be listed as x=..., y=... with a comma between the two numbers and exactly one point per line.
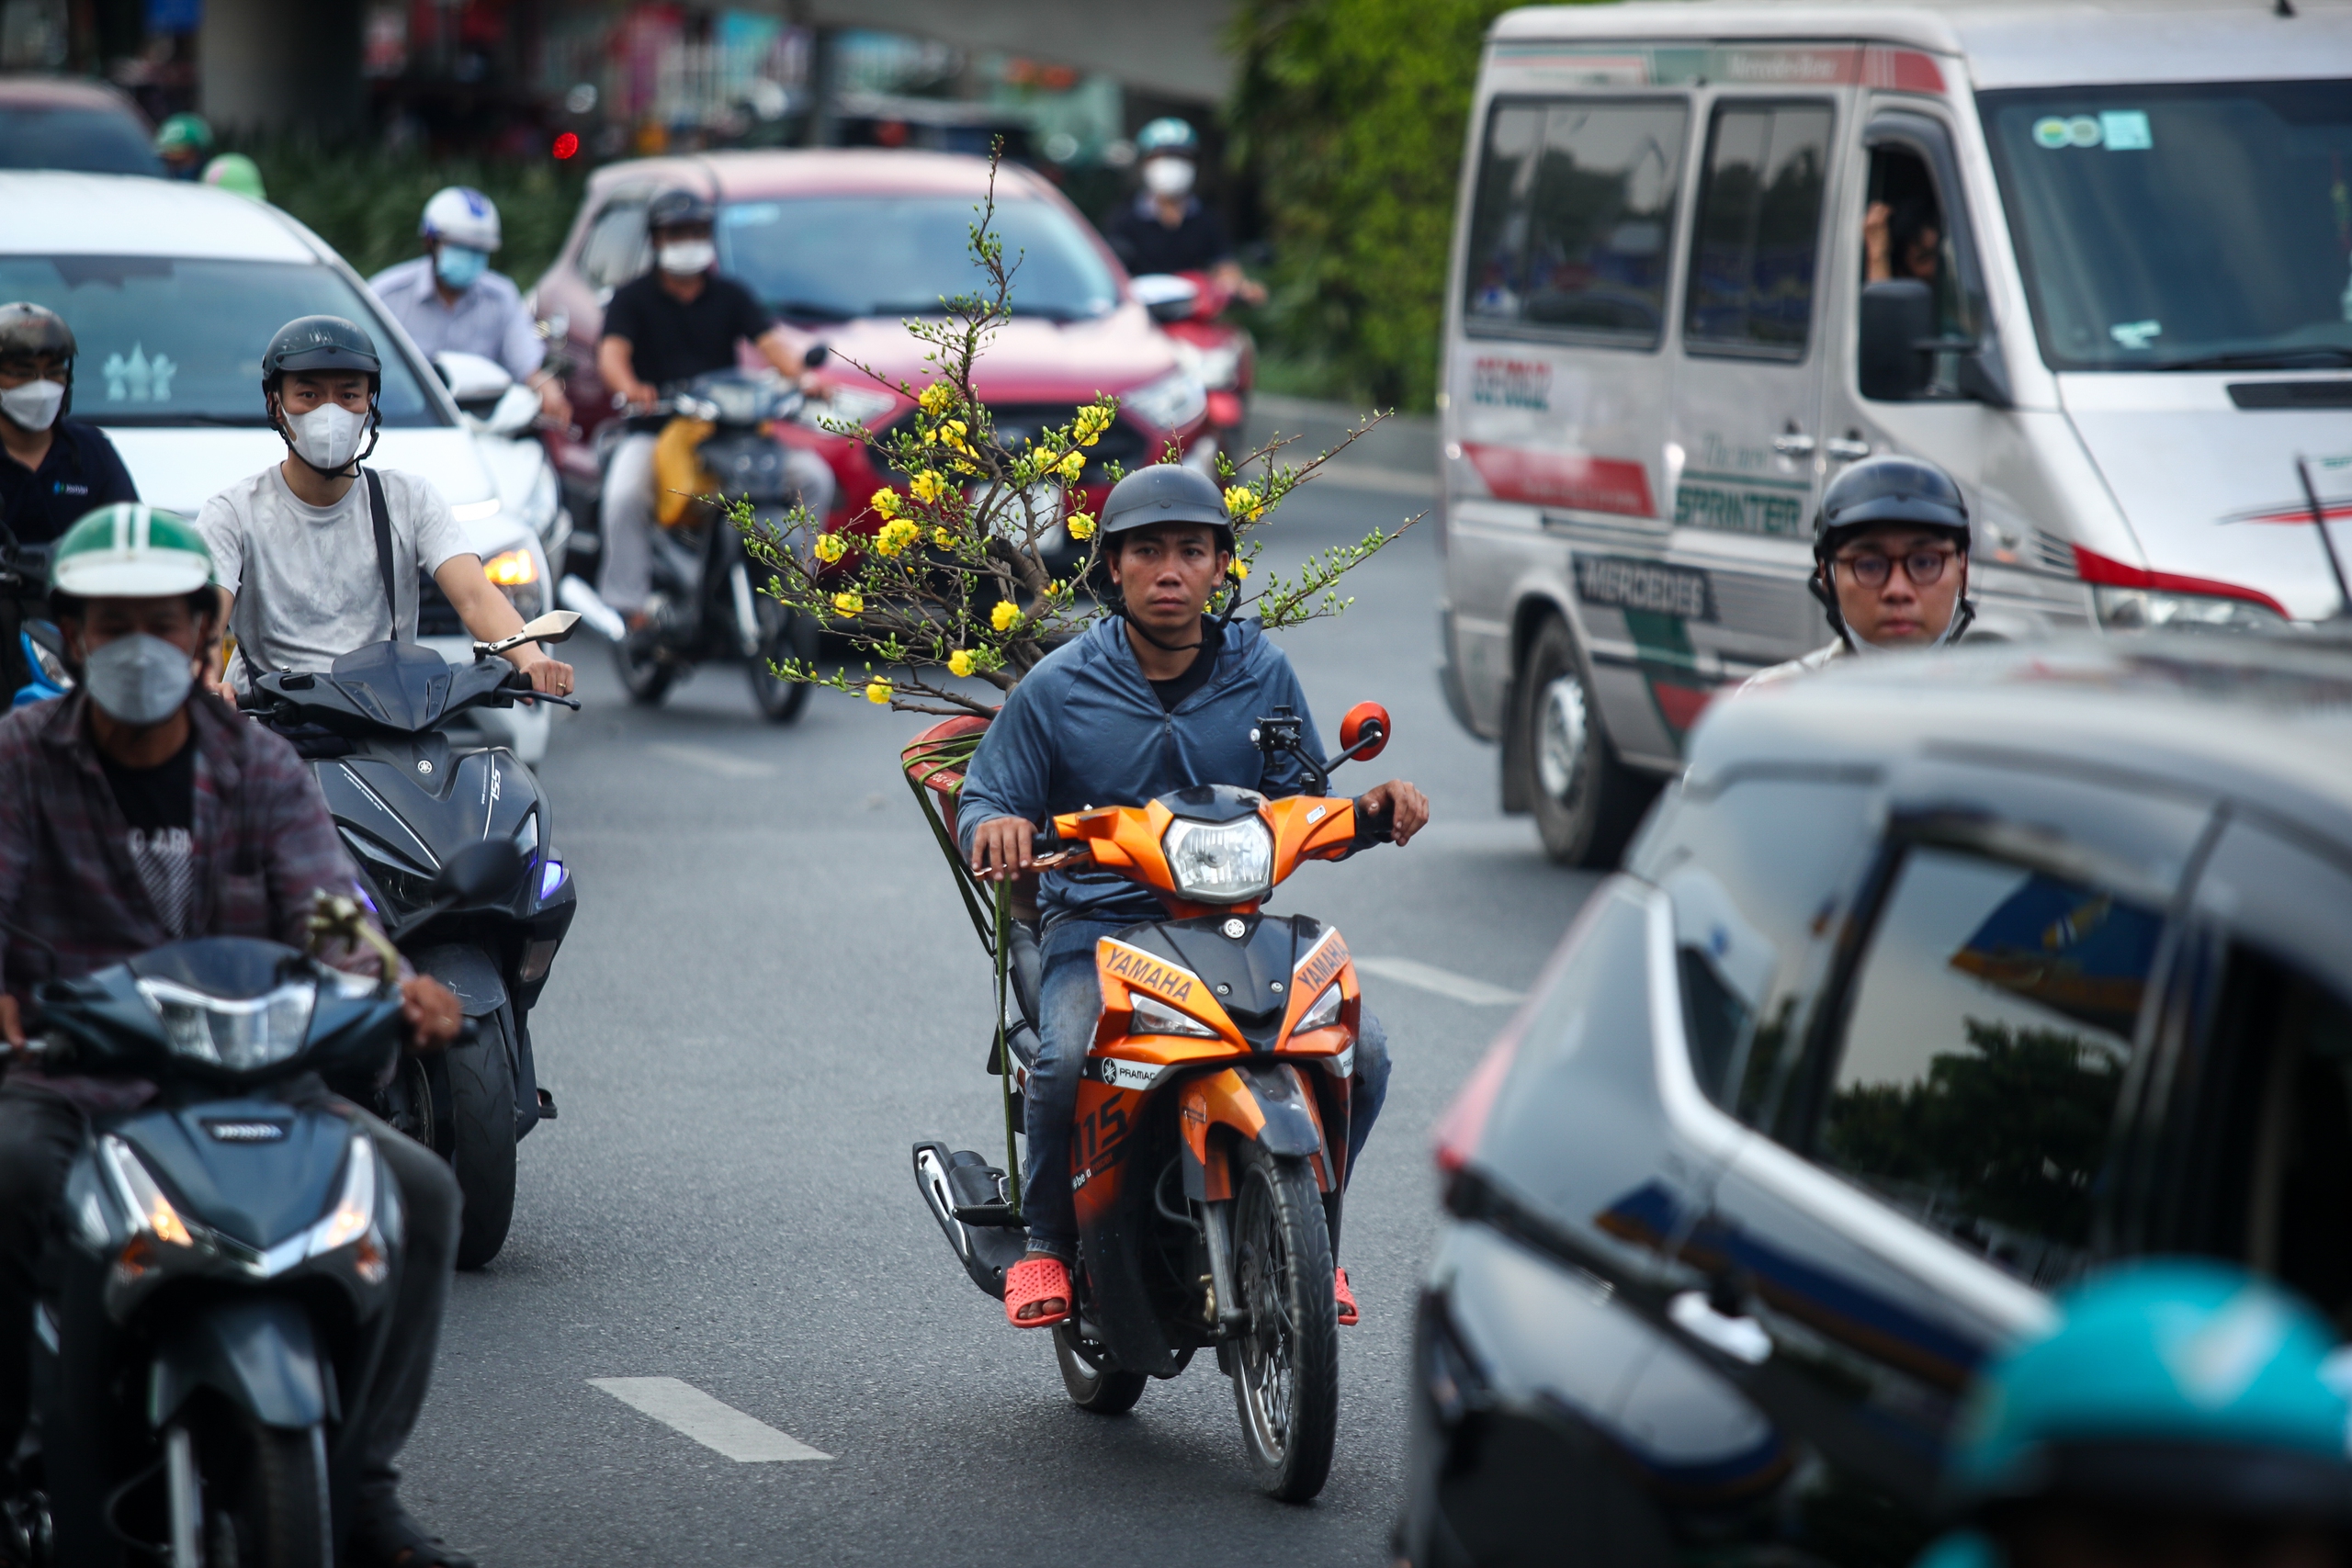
x=1899, y=316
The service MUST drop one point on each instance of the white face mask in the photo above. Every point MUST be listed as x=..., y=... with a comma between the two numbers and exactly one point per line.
x=327, y=437
x=33, y=405
x=138, y=679
x=1170, y=178
x=687, y=258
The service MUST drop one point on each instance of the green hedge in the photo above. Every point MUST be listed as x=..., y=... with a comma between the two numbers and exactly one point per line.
x=366, y=202
x=1351, y=112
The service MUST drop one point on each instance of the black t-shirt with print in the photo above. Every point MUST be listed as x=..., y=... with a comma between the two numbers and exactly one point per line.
x=80, y=473
x=672, y=339
x=157, y=798
x=1196, y=674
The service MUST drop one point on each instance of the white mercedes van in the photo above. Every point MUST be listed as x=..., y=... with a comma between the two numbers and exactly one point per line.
x=2094, y=259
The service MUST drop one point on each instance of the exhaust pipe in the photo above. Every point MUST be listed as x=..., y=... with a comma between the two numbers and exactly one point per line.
x=575, y=594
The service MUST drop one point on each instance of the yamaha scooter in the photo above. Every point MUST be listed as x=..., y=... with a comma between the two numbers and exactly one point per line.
x=211, y=1319
x=407, y=802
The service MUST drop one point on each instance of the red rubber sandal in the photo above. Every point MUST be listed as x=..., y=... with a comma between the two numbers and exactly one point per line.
x=1347, y=1298
x=1034, y=1280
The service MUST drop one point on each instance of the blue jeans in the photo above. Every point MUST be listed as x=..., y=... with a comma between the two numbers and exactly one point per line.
x=1071, y=1000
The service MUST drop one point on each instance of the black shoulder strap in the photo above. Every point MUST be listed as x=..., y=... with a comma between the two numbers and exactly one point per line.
x=383, y=516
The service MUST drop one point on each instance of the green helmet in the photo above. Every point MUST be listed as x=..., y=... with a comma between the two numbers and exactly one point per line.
x=130, y=551
x=234, y=170
x=1166, y=135
x=183, y=133
x=2182, y=1386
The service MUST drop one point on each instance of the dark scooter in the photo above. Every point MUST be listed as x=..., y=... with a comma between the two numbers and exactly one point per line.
x=406, y=802
x=210, y=1320
x=707, y=602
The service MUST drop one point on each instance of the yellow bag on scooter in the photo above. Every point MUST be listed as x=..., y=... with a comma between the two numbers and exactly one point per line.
x=678, y=475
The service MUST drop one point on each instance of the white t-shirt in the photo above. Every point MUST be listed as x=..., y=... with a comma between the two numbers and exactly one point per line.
x=308, y=588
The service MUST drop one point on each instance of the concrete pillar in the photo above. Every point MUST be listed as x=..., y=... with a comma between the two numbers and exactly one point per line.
x=281, y=65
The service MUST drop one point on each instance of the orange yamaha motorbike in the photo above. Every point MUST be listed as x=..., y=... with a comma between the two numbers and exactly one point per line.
x=1211, y=1134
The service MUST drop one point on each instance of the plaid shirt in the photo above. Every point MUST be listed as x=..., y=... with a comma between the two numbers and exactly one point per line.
x=263, y=842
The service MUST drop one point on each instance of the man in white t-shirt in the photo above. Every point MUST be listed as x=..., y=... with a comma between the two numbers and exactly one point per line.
x=296, y=547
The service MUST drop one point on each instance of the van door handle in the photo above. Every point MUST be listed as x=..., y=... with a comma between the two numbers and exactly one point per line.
x=1742, y=1338
x=1843, y=450
x=1792, y=445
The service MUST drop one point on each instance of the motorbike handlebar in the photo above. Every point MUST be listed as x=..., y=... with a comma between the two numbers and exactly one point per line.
x=1375, y=827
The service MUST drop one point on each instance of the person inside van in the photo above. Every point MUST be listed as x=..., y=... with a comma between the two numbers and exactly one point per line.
x=1902, y=240
x=1890, y=552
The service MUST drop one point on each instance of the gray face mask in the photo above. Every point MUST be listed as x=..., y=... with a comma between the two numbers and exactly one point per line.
x=138, y=679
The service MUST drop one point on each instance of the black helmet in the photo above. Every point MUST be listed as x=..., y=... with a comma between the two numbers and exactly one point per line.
x=319, y=343
x=1165, y=492
x=677, y=208
x=29, y=330
x=1889, y=489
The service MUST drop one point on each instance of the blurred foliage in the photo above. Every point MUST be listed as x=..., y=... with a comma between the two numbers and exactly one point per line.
x=1353, y=114
x=366, y=201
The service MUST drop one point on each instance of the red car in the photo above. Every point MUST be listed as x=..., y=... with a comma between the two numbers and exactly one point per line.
x=844, y=246
x=60, y=122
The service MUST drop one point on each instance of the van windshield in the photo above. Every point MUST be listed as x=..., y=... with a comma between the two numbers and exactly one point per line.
x=2198, y=227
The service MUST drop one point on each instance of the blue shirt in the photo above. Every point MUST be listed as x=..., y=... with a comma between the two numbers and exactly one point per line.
x=488, y=319
x=1085, y=728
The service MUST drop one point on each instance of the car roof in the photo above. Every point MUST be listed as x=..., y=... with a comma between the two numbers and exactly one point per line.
x=2008, y=43
x=748, y=175
x=64, y=93
x=2263, y=720
x=54, y=213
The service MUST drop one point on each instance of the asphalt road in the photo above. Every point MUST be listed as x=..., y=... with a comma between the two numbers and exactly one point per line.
x=769, y=995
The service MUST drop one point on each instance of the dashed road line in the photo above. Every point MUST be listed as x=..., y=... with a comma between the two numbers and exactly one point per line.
x=685, y=1409
x=1443, y=981
x=712, y=759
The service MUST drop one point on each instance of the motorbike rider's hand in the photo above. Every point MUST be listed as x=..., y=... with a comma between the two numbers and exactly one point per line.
x=1002, y=848
x=1412, y=806
x=12, y=1025
x=432, y=1015
x=636, y=395
x=549, y=675
x=221, y=686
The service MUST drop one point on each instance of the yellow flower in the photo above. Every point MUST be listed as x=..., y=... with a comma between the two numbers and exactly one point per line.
x=885, y=501
x=896, y=535
x=830, y=548
x=878, y=691
x=949, y=433
x=1244, y=503
x=942, y=539
x=936, y=396
x=850, y=603
x=1093, y=421
x=1241, y=570
x=959, y=662
x=1081, y=525
x=1069, y=467
x=927, y=486
x=1004, y=616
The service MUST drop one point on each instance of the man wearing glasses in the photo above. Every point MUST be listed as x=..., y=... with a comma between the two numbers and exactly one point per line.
x=1890, y=553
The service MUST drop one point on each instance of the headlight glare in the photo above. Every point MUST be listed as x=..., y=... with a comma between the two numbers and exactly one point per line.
x=511, y=568
x=151, y=1212
x=241, y=1035
x=1151, y=1017
x=1220, y=863
x=1168, y=404
x=1325, y=1012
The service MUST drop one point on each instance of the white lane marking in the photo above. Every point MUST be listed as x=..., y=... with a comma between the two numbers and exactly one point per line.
x=711, y=760
x=1445, y=982
x=685, y=1409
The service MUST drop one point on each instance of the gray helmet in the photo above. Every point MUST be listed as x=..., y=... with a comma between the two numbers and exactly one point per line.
x=1165, y=492
x=677, y=208
x=29, y=330
x=319, y=343
x=1886, y=489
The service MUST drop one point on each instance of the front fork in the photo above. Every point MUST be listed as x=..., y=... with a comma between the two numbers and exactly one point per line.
x=1281, y=1107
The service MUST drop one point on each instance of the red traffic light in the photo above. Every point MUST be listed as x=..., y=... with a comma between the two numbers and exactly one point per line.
x=566, y=144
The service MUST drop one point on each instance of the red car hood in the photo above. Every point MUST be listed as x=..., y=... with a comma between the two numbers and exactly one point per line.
x=1027, y=359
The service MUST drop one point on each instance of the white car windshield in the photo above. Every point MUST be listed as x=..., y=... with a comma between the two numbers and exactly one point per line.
x=168, y=341
x=839, y=257
x=2182, y=226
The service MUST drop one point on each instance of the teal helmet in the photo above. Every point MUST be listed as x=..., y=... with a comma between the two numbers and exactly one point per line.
x=2176, y=1385
x=1166, y=135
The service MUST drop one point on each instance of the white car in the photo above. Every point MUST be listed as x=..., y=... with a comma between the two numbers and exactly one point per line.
x=173, y=292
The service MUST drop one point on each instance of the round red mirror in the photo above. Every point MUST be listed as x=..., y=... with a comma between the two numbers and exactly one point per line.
x=1364, y=719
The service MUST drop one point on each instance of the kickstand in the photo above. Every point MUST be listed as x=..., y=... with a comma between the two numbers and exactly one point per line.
x=1003, y=945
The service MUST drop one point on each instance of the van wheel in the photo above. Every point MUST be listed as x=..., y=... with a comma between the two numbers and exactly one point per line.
x=1587, y=802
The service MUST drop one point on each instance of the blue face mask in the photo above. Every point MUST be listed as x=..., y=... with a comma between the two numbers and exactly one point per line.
x=458, y=265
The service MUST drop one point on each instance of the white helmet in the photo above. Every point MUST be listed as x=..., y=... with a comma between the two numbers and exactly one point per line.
x=463, y=216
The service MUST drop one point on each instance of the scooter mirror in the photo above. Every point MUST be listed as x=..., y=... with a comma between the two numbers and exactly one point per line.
x=1167, y=297
x=553, y=627
x=479, y=871
x=817, y=354
x=1365, y=721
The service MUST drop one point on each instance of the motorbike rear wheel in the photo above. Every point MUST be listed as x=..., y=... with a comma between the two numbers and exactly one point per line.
x=265, y=1498
x=1105, y=1391
x=783, y=635
x=481, y=1105
x=1286, y=1365
x=643, y=670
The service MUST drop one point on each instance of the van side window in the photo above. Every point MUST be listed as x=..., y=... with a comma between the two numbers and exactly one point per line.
x=1570, y=228
x=615, y=249
x=1985, y=1037
x=1906, y=235
x=1757, y=250
x=1757, y=876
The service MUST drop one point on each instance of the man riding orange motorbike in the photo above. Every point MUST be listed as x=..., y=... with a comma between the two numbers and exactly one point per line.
x=1157, y=697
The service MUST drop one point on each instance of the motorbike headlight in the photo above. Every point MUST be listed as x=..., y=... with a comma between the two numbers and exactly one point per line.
x=1218, y=367
x=152, y=1213
x=1151, y=1017
x=240, y=1034
x=1220, y=863
x=354, y=1214
x=2138, y=609
x=1174, y=401
x=1325, y=1012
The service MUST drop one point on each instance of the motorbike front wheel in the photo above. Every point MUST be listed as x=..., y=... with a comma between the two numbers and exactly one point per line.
x=481, y=1116
x=1105, y=1391
x=643, y=670
x=783, y=635
x=1286, y=1364
x=262, y=1493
